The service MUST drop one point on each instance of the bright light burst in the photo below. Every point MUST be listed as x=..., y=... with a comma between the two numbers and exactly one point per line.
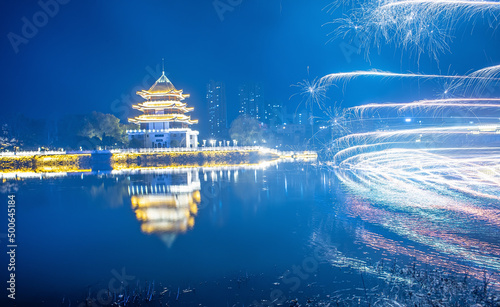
x=436, y=186
x=417, y=26
x=313, y=92
x=442, y=200
x=428, y=171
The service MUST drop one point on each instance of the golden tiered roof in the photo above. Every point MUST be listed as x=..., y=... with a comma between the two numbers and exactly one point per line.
x=181, y=106
x=154, y=118
x=163, y=96
x=162, y=87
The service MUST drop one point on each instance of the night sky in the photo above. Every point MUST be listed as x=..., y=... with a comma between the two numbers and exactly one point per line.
x=92, y=54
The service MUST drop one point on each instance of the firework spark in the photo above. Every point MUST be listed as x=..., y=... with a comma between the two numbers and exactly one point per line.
x=417, y=26
x=313, y=92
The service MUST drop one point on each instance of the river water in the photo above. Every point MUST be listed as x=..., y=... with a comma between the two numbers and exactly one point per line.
x=236, y=236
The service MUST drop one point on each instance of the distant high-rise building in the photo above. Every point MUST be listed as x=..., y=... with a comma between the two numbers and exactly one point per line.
x=217, y=109
x=301, y=117
x=251, y=100
x=273, y=112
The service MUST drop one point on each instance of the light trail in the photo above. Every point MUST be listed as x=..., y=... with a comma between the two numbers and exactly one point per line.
x=434, y=198
x=475, y=176
x=437, y=188
x=348, y=76
x=416, y=26
x=398, y=135
x=451, y=102
x=440, y=3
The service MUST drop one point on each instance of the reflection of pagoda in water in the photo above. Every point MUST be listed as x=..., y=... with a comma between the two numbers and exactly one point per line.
x=166, y=204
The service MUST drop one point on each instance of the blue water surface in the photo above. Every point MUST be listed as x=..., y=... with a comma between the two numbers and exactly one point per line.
x=219, y=237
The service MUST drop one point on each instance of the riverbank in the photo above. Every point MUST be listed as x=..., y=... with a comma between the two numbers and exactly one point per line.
x=128, y=159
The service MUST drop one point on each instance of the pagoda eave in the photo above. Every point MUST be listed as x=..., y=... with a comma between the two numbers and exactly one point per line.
x=160, y=105
x=179, y=110
x=182, y=108
x=173, y=93
x=137, y=120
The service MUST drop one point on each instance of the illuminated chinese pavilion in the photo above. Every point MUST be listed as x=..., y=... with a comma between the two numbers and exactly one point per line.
x=164, y=123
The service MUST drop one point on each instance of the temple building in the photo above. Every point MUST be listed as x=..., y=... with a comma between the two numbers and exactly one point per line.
x=164, y=123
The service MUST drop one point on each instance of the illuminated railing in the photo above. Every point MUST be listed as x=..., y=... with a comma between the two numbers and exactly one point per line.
x=31, y=153
x=186, y=149
x=141, y=131
x=162, y=150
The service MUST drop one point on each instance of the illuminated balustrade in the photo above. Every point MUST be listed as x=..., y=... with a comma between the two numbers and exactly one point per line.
x=31, y=153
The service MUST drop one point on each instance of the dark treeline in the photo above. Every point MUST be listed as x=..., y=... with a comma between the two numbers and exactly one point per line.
x=72, y=132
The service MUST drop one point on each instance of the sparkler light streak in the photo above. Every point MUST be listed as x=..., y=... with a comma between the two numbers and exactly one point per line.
x=434, y=198
x=347, y=76
x=434, y=206
x=429, y=173
x=407, y=278
x=489, y=74
x=435, y=185
x=431, y=104
x=418, y=26
x=353, y=145
x=472, y=3
x=435, y=259
x=439, y=123
x=479, y=78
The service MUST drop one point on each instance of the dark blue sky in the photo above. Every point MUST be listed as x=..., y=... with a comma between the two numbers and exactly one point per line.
x=92, y=53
